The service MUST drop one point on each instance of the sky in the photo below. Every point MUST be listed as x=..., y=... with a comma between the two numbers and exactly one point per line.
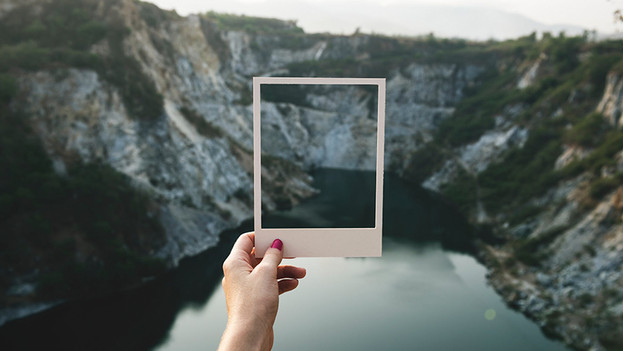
x=472, y=19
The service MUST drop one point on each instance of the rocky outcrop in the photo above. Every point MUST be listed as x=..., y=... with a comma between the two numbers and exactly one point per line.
x=195, y=157
x=580, y=276
x=611, y=103
x=81, y=117
x=572, y=249
x=530, y=75
x=419, y=98
x=474, y=158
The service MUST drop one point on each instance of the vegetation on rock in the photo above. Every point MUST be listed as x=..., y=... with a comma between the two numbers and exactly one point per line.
x=88, y=232
x=61, y=34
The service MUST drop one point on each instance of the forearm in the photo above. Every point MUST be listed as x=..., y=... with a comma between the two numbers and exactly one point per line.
x=245, y=336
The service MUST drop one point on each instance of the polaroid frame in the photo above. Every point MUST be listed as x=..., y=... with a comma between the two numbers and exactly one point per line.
x=320, y=242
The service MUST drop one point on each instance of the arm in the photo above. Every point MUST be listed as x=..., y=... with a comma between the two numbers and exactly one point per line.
x=252, y=288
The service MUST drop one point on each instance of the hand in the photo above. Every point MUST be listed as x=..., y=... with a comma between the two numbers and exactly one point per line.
x=252, y=287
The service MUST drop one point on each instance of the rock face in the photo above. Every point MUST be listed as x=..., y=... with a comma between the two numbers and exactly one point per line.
x=611, y=103
x=337, y=130
x=80, y=116
x=196, y=156
x=474, y=158
x=419, y=97
x=579, y=274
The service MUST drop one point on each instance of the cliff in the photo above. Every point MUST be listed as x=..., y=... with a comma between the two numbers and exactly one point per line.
x=523, y=136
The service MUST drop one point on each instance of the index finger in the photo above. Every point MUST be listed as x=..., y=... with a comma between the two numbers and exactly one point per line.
x=244, y=243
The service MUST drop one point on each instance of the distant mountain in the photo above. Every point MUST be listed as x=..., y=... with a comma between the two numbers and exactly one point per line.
x=476, y=23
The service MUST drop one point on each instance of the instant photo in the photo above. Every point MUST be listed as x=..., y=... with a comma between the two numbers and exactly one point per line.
x=316, y=136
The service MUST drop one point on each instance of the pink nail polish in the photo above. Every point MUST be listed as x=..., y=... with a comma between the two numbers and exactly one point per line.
x=277, y=244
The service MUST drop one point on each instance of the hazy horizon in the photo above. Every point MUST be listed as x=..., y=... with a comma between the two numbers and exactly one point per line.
x=470, y=19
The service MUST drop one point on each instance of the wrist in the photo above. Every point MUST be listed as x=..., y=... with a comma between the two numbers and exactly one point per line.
x=242, y=334
x=253, y=319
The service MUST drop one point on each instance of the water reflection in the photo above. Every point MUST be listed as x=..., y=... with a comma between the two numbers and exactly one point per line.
x=417, y=296
x=410, y=212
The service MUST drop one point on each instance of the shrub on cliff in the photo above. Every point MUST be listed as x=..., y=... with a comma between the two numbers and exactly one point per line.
x=87, y=232
x=61, y=35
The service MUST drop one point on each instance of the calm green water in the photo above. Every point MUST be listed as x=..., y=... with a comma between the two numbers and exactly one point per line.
x=425, y=293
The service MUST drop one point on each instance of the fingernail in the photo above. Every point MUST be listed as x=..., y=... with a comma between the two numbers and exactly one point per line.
x=277, y=244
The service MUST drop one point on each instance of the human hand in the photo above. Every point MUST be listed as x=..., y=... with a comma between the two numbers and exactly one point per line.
x=252, y=287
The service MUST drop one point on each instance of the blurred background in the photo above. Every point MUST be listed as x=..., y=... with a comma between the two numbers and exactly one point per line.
x=466, y=19
x=126, y=171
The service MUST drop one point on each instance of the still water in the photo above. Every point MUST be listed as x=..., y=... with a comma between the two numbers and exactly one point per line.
x=425, y=293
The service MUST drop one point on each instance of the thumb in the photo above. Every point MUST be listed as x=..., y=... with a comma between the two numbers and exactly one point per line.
x=273, y=255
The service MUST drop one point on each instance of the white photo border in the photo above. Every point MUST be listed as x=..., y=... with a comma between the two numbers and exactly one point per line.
x=320, y=242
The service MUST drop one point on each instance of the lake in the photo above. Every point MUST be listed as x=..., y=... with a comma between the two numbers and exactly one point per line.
x=426, y=293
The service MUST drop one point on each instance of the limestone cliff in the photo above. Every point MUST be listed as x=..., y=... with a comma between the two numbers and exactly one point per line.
x=196, y=153
x=544, y=181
